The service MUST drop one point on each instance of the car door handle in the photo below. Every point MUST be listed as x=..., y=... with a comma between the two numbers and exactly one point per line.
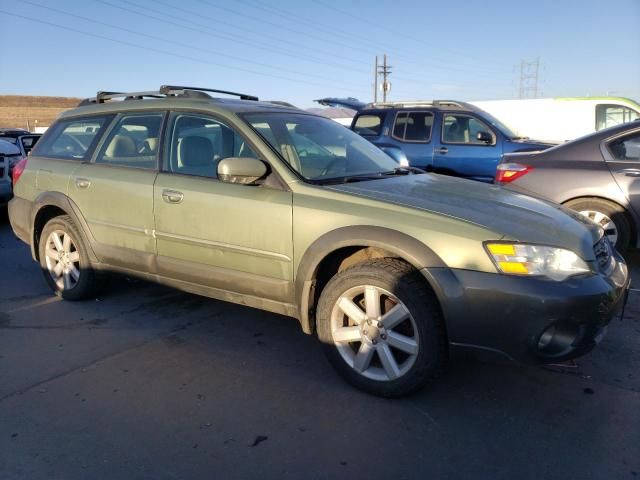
x=172, y=196
x=83, y=182
x=442, y=150
x=630, y=172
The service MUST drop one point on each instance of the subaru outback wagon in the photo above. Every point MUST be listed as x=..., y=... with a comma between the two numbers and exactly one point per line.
x=278, y=209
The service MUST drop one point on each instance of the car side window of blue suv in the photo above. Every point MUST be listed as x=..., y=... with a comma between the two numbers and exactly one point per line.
x=413, y=126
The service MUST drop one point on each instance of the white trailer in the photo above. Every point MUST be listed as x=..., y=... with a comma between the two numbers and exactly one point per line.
x=561, y=119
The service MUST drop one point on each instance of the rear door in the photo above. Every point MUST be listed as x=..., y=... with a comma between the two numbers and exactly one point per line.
x=233, y=237
x=459, y=152
x=115, y=191
x=411, y=132
x=623, y=159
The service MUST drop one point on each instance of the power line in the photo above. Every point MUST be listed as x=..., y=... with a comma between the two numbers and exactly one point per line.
x=214, y=33
x=166, y=40
x=156, y=50
x=404, y=34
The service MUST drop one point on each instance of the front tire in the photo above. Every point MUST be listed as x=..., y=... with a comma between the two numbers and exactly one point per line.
x=381, y=327
x=64, y=261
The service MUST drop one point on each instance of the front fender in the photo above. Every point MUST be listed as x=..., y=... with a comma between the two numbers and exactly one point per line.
x=400, y=244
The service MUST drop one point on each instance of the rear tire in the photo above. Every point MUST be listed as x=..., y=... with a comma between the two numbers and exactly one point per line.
x=64, y=261
x=381, y=328
x=609, y=215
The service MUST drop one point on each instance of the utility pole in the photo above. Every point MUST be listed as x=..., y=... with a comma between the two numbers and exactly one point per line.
x=375, y=82
x=385, y=71
x=529, y=77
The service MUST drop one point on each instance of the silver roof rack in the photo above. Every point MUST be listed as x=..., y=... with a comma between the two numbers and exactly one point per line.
x=419, y=103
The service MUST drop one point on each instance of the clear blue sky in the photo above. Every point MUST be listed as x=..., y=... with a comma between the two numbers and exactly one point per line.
x=301, y=50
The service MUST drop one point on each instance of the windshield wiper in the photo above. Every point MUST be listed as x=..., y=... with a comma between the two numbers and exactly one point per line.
x=404, y=171
x=519, y=138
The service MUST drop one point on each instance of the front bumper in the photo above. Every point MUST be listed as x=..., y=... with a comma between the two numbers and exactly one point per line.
x=529, y=319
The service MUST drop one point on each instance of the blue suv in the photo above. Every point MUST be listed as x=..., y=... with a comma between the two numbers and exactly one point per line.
x=442, y=136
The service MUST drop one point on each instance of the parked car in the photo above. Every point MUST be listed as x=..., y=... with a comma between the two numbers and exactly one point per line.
x=596, y=175
x=443, y=136
x=24, y=140
x=562, y=119
x=9, y=155
x=389, y=265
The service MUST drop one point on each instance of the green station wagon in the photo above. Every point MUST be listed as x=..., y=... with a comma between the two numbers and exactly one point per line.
x=272, y=207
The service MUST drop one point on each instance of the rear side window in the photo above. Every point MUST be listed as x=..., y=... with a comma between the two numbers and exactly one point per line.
x=72, y=139
x=368, y=125
x=133, y=142
x=413, y=126
x=626, y=148
x=612, y=115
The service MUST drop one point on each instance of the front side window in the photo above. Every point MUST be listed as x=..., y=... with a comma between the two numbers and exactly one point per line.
x=612, y=115
x=368, y=125
x=413, y=126
x=72, y=139
x=464, y=129
x=133, y=142
x=319, y=148
x=626, y=148
x=198, y=143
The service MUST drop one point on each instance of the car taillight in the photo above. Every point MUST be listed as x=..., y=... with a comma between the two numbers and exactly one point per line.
x=17, y=170
x=508, y=172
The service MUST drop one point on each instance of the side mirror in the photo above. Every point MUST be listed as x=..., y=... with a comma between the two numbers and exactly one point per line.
x=485, y=137
x=241, y=170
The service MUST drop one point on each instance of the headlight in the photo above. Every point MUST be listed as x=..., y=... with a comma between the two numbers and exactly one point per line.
x=522, y=259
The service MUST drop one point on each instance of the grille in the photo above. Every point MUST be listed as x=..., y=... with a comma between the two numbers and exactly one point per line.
x=604, y=254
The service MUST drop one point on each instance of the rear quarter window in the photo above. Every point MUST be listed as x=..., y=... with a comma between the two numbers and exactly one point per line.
x=368, y=125
x=72, y=139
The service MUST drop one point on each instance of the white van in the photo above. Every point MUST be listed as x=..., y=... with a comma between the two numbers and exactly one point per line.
x=560, y=119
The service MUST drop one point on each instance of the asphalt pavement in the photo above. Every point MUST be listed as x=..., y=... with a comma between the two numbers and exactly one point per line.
x=146, y=382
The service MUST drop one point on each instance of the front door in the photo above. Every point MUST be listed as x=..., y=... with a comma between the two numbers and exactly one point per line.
x=115, y=191
x=460, y=152
x=232, y=237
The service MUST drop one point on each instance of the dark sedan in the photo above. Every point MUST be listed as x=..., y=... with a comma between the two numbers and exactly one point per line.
x=597, y=176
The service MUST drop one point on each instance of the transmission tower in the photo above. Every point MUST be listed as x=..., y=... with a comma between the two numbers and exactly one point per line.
x=529, y=78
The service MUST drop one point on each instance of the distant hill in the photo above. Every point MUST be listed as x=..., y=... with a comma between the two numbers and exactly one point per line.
x=22, y=111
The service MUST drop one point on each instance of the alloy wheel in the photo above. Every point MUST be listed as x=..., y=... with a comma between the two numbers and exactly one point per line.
x=62, y=259
x=608, y=225
x=374, y=333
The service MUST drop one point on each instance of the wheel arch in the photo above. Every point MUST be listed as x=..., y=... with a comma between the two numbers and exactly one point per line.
x=626, y=208
x=49, y=205
x=343, y=247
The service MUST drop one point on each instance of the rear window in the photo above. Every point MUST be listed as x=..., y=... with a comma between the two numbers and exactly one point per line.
x=368, y=125
x=72, y=139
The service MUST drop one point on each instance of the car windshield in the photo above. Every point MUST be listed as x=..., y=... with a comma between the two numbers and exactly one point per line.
x=320, y=149
x=499, y=125
x=13, y=140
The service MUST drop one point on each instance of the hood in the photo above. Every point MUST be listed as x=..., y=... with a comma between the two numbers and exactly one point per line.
x=510, y=215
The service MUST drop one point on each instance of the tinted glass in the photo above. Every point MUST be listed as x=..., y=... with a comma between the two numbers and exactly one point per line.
x=198, y=143
x=463, y=129
x=368, y=125
x=627, y=148
x=72, y=139
x=319, y=148
x=418, y=127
